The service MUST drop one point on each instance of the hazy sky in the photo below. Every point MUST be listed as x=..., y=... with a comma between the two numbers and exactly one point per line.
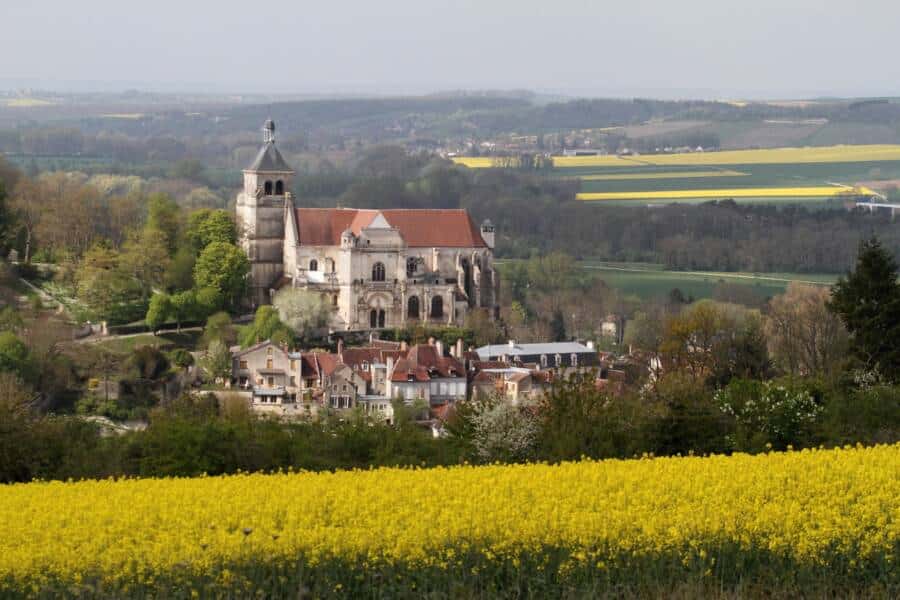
x=673, y=48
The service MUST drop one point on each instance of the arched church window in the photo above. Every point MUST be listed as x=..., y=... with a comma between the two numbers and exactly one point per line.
x=437, y=307
x=411, y=266
x=412, y=307
x=378, y=272
x=373, y=318
x=267, y=188
x=313, y=265
x=381, y=318
x=279, y=188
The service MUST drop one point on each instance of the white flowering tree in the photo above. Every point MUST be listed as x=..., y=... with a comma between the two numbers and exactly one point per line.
x=307, y=313
x=767, y=414
x=502, y=432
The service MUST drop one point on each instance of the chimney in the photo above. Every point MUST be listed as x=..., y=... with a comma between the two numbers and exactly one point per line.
x=459, y=348
x=512, y=343
x=590, y=344
x=440, y=347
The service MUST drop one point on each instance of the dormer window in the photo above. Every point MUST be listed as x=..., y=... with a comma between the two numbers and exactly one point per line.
x=411, y=266
x=365, y=366
x=573, y=359
x=313, y=265
x=543, y=360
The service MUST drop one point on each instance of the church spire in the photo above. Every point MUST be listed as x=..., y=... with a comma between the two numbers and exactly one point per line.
x=269, y=132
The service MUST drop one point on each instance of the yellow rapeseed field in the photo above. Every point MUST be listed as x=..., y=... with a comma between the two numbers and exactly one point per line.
x=781, y=192
x=833, y=509
x=819, y=154
x=663, y=175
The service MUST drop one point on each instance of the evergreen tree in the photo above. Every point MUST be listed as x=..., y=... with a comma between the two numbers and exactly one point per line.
x=558, y=326
x=868, y=302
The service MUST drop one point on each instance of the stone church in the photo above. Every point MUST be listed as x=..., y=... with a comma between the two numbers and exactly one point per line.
x=378, y=268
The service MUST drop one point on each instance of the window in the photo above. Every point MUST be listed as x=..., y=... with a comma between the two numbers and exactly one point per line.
x=378, y=272
x=412, y=307
x=573, y=360
x=313, y=265
x=268, y=363
x=268, y=188
x=411, y=266
x=373, y=318
x=269, y=351
x=365, y=366
x=558, y=359
x=293, y=381
x=543, y=360
x=381, y=317
x=242, y=365
x=334, y=300
x=279, y=188
x=293, y=365
x=437, y=307
x=271, y=382
x=443, y=388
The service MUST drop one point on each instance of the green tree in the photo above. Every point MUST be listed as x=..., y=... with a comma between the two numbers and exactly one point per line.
x=146, y=258
x=868, y=302
x=184, y=307
x=163, y=216
x=557, y=326
x=224, y=267
x=219, y=327
x=266, y=325
x=217, y=360
x=180, y=272
x=14, y=356
x=207, y=225
x=102, y=286
x=159, y=311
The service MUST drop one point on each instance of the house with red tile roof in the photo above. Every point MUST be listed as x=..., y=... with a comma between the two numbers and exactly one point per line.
x=426, y=374
x=377, y=268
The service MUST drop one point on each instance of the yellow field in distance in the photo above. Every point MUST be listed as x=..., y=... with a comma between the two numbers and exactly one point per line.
x=27, y=102
x=824, y=154
x=786, y=192
x=666, y=175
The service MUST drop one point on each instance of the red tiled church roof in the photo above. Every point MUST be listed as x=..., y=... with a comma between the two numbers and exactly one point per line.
x=422, y=228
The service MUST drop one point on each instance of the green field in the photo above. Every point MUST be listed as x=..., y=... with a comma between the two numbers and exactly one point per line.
x=650, y=281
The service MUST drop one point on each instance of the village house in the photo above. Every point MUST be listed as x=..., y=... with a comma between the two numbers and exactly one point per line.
x=546, y=355
x=426, y=374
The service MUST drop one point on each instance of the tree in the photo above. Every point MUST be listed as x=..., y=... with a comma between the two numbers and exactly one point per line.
x=217, y=360
x=868, y=302
x=307, y=313
x=224, y=267
x=209, y=300
x=558, y=326
x=14, y=356
x=27, y=206
x=162, y=216
x=180, y=273
x=206, y=226
x=503, y=432
x=145, y=256
x=159, y=311
x=266, y=325
x=102, y=286
x=184, y=307
x=219, y=327
x=805, y=338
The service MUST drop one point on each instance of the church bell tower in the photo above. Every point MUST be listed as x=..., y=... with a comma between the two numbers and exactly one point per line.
x=260, y=210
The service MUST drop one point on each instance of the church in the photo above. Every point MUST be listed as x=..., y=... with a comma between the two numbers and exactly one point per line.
x=377, y=268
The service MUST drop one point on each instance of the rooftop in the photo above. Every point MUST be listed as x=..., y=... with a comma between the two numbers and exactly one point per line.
x=549, y=348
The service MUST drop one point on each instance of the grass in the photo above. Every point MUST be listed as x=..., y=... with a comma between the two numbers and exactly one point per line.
x=167, y=341
x=662, y=175
x=650, y=281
